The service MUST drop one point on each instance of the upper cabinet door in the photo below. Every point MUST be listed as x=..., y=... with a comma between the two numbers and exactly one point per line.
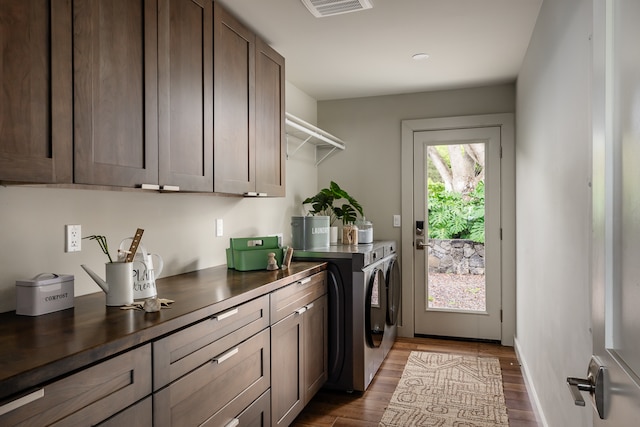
x=270, y=109
x=35, y=97
x=234, y=133
x=185, y=82
x=115, y=92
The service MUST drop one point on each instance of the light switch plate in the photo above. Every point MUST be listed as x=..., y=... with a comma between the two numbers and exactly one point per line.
x=396, y=221
x=219, y=227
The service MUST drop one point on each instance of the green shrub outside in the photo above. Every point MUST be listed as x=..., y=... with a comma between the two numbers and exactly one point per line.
x=454, y=216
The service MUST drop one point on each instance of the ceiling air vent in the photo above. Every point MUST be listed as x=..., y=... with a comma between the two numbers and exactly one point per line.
x=322, y=8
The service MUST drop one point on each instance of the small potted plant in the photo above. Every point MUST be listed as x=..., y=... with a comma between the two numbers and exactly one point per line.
x=323, y=204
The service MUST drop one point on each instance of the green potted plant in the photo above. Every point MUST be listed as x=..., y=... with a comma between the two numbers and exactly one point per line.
x=323, y=204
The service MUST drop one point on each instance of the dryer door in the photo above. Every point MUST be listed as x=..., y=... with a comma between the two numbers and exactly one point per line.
x=375, y=307
x=393, y=291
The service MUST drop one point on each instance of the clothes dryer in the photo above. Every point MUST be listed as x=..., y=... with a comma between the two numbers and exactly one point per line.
x=360, y=332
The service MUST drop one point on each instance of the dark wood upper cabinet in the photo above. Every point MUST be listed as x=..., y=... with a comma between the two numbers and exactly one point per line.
x=270, y=111
x=143, y=93
x=36, y=91
x=115, y=92
x=185, y=80
x=123, y=93
x=249, y=79
x=234, y=107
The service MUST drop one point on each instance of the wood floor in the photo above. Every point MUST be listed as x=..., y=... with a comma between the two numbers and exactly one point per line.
x=331, y=408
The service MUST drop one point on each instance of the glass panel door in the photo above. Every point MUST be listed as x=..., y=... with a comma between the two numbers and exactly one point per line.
x=457, y=243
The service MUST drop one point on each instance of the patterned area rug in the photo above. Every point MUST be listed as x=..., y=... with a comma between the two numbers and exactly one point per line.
x=448, y=390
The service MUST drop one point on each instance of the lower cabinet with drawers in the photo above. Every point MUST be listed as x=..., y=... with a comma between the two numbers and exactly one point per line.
x=221, y=365
x=255, y=364
x=90, y=396
x=299, y=346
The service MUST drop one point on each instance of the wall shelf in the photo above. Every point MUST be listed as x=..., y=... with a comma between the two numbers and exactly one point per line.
x=303, y=132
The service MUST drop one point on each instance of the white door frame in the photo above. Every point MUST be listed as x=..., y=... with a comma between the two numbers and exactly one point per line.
x=505, y=121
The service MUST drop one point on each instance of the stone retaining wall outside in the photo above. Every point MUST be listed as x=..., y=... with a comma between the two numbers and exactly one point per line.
x=456, y=256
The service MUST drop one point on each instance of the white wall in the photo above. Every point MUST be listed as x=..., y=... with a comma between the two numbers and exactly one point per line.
x=369, y=169
x=179, y=227
x=553, y=169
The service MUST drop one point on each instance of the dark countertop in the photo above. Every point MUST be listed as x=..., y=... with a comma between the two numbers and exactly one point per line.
x=364, y=253
x=344, y=251
x=35, y=350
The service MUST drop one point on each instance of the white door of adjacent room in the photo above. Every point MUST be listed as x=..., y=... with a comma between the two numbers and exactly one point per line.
x=614, y=370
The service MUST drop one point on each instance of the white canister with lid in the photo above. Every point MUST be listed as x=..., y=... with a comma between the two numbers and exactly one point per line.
x=365, y=231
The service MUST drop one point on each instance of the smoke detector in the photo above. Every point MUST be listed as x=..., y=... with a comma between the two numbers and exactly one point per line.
x=323, y=8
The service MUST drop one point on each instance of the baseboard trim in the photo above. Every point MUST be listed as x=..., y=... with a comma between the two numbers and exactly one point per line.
x=531, y=390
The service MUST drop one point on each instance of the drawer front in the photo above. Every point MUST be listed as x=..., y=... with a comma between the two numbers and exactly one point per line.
x=184, y=351
x=89, y=396
x=258, y=414
x=291, y=298
x=138, y=415
x=233, y=378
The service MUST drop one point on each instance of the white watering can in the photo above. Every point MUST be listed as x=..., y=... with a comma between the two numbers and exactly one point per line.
x=118, y=285
x=145, y=270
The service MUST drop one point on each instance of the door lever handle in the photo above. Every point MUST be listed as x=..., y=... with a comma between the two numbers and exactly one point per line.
x=576, y=385
x=594, y=384
x=420, y=244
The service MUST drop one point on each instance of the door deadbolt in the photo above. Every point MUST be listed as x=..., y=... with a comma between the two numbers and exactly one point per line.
x=594, y=384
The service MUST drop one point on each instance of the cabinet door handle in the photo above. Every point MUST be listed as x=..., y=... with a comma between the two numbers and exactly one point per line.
x=300, y=311
x=309, y=306
x=21, y=401
x=304, y=281
x=226, y=314
x=233, y=423
x=226, y=356
x=150, y=186
x=170, y=188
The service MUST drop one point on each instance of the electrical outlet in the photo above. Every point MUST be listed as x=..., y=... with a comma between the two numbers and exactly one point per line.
x=396, y=220
x=219, y=229
x=73, y=237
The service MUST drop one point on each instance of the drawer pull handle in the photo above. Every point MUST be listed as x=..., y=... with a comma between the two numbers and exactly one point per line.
x=233, y=423
x=226, y=314
x=21, y=401
x=309, y=306
x=304, y=281
x=226, y=356
x=300, y=311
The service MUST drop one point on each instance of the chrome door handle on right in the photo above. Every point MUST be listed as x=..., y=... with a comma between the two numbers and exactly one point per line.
x=594, y=384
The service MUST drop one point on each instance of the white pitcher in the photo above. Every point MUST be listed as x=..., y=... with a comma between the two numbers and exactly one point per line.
x=145, y=271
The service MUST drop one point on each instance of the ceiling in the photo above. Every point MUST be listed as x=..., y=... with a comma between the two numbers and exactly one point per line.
x=368, y=53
